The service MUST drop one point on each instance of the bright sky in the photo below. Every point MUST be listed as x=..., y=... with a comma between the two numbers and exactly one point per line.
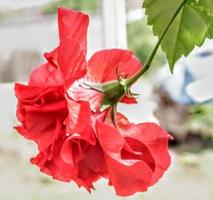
x=21, y=3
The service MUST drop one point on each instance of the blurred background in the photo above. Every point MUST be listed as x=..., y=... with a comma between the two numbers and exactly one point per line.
x=181, y=103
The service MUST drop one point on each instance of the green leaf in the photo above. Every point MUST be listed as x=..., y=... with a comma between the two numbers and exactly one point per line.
x=192, y=26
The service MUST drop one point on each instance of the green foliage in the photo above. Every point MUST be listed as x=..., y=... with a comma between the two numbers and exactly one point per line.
x=200, y=119
x=142, y=46
x=4, y=13
x=85, y=5
x=192, y=25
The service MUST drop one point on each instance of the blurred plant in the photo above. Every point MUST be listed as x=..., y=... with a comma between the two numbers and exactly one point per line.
x=142, y=46
x=4, y=13
x=189, y=159
x=86, y=5
x=200, y=119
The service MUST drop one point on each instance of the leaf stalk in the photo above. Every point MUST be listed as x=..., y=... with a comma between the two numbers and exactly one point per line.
x=147, y=65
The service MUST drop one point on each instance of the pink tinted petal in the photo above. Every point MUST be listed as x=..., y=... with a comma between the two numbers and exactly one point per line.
x=79, y=93
x=45, y=75
x=71, y=61
x=73, y=24
x=104, y=65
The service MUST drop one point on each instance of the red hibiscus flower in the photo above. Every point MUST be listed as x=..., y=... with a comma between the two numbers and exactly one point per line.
x=66, y=108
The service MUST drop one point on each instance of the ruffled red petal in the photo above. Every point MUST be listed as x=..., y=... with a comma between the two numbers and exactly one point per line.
x=41, y=110
x=107, y=65
x=112, y=64
x=45, y=76
x=52, y=57
x=123, y=160
x=73, y=25
x=154, y=138
x=79, y=121
x=71, y=61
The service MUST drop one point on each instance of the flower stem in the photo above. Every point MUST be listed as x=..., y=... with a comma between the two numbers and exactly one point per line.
x=133, y=79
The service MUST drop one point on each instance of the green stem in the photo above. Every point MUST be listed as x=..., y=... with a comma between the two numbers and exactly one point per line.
x=132, y=80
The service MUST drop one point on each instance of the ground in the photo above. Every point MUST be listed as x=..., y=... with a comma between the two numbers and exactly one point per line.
x=190, y=177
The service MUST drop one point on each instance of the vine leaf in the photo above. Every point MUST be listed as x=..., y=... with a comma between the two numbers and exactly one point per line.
x=192, y=26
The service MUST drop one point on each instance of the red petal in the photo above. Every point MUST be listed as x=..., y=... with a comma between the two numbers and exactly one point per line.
x=104, y=65
x=80, y=93
x=45, y=75
x=87, y=161
x=32, y=94
x=85, y=168
x=128, y=100
x=71, y=61
x=127, y=175
x=43, y=139
x=42, y=112
x=154, y=138
x=93, y=161
x=73, y=25
x=49, y=166
x=58, y=168
x=128, y=180
x=91, y=167
x=79, y=120
x=52, y=57
x=55, y=166
x=41, y=128
x=71, y=151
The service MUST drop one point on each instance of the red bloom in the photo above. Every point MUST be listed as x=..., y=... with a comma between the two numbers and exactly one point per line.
x=76, y=140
